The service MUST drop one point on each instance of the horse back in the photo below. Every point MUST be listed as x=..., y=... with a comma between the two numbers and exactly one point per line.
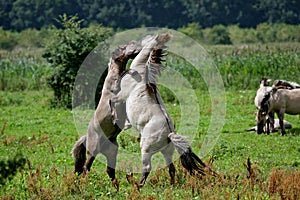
x=290, y=99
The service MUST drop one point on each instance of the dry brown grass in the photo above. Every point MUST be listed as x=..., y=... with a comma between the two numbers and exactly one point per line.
x=285, y=184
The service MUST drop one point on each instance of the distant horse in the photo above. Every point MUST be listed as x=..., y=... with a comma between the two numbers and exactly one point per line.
x=147, y=113
x=102, y=132
x=279, y=101
x=264, y=88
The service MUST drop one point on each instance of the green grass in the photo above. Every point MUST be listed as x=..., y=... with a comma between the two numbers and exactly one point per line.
x=45, y=136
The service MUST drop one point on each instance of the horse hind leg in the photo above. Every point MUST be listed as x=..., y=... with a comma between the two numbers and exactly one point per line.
x=110, y=151
x=281, y=117
x=146, y=162
x=168, y=154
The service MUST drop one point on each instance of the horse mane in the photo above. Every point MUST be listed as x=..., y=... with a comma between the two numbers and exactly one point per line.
x=153, y=69
x=154, y=63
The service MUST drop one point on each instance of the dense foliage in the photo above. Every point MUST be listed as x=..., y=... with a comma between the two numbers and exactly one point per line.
x=66, y=52
x=21, y=14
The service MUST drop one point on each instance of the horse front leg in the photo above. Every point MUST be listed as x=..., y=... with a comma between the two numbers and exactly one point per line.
x=271, y=121
x=146, y=161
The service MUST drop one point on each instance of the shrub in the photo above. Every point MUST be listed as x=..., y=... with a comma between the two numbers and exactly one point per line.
x=218, y=35
x=7, y=39
x=66, y=51
x=193, y=30
x=8, y=168
x=32, y=37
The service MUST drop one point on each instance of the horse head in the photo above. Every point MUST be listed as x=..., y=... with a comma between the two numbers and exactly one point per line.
x=122, y=54
x=265, y=82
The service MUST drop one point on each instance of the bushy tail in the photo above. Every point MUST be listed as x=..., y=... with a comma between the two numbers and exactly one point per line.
x=79, y=154
x=189, y=159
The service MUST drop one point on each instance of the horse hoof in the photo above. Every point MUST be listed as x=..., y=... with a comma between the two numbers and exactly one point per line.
x=116, y=184
x=137, y=186
x=129, y=178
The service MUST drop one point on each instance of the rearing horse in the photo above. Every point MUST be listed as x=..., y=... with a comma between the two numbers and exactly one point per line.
x=147, y=113
x=102, y=133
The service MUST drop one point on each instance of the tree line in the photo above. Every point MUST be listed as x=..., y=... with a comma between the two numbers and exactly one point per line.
x=123, y=14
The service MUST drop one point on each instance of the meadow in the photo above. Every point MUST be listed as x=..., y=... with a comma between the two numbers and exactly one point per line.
x=249, y=166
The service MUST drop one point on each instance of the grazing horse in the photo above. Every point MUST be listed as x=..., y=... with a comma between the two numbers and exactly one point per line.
x=147, y=113
x=262, y=90
x=102, y=133
x=279, y=101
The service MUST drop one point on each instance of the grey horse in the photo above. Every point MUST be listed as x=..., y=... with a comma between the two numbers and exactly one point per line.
x=147, y=113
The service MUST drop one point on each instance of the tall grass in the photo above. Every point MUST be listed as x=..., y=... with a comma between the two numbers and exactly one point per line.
x=241, y=67
x=22, y=70
x=243, y=71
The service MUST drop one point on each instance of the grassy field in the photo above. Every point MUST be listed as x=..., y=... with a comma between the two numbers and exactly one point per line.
x=250, y=166
x=45, y=136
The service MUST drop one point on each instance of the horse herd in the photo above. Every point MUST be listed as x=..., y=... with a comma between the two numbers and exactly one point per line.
x=131, y=98
x=280, y=98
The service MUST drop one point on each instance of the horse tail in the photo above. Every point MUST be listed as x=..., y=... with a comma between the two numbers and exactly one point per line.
x=79, y=154
x=189, y=160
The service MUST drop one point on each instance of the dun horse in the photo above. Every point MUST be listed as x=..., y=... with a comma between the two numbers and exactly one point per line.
x=279, y=101
x=147, y=113
x=102, y=133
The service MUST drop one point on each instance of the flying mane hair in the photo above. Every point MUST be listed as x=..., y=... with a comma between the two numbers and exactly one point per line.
x=153, y=68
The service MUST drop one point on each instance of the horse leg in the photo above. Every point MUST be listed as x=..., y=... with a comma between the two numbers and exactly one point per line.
x=92, y=150
x=146, y=161
x=271, y=121
x=281, y=117
x=168, y=154
x=110, y=151
x=88, y=164
x=268, y=126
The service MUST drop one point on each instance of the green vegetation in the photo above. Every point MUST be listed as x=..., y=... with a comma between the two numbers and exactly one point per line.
x=45, y=137
x=36, y=138
x=22, y=14
x=22, y=69
x=66, y=52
